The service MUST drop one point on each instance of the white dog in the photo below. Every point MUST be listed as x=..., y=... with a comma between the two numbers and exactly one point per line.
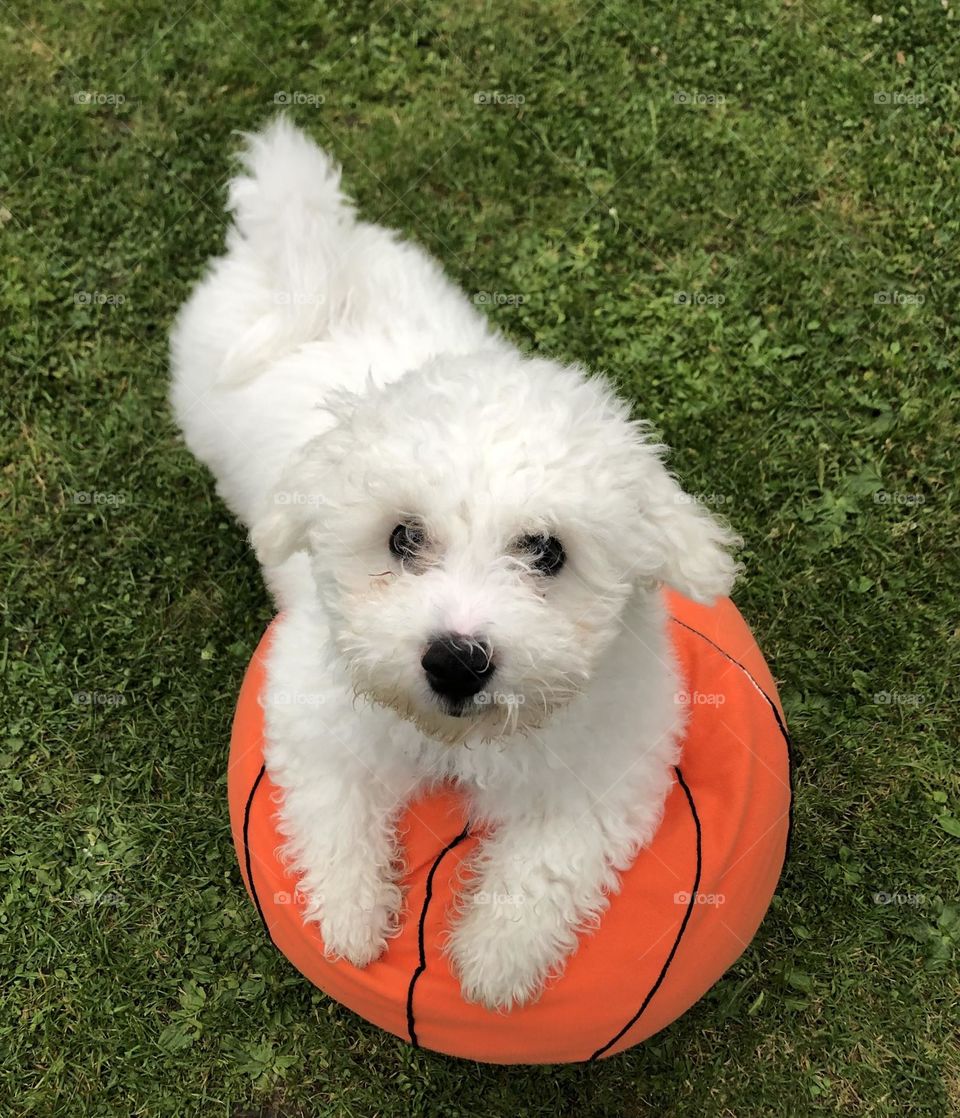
x=468, y=547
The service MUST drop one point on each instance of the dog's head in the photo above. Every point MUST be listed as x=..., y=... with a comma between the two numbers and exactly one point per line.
x=476, y=529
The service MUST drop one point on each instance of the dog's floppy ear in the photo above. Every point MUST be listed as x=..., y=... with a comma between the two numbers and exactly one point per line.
x=308, y=484
x=293, y=508
x=689, y=547
x=278, y=534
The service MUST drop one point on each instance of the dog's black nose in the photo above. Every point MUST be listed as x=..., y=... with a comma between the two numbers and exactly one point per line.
x=457, y=666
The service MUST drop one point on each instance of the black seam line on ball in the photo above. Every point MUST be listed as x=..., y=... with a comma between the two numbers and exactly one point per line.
x=411, y=1024
x=246, y=851
x=683, y=926
x=776, y=714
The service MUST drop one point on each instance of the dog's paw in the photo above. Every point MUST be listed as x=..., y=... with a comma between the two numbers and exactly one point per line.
x=356, y=920
x=502, y=954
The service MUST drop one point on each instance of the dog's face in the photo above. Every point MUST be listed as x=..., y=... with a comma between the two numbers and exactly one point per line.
x=476, y=530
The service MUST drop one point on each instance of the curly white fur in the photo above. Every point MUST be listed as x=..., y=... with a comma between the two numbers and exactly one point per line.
x=337, y=384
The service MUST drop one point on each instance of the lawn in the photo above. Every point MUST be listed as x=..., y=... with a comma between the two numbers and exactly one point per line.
x=747, y=219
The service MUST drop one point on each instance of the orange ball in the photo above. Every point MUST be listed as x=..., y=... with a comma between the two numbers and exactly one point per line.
x=687, y=909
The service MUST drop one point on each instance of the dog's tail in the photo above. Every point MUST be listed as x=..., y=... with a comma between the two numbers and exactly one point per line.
x=292, y=221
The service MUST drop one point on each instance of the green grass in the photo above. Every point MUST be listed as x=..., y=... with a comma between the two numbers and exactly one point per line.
x=812, y=165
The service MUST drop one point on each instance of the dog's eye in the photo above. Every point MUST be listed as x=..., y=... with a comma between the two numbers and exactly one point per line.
x=544, y=553
x=407, y=540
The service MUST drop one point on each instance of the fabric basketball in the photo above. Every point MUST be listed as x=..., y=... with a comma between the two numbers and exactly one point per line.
x=687, y=909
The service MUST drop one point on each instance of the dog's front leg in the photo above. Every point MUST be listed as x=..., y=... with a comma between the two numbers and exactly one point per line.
x=340, y=826
x=540, y=879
